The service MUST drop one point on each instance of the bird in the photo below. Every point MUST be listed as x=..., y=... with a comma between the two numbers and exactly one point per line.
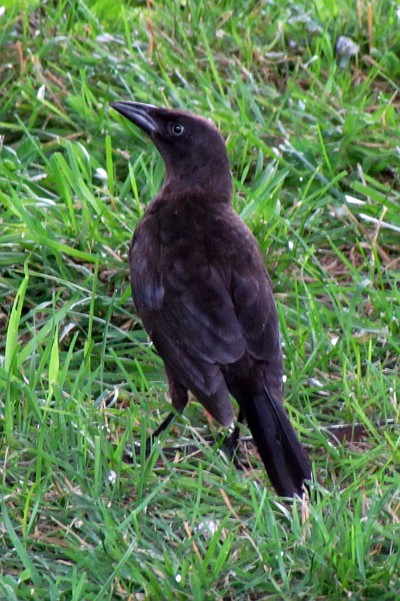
x=204, y=296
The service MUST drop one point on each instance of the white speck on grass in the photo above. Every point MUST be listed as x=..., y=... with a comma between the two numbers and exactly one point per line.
x=105, y=38
x=290, y=245
x=178, y=578
x=84, y=152
x=365, y=282
x=41, y=92
x=382, y=224
x=101, y=173
x=311, y=61
x=351, y=200
x=66, y=330
x=346, y=47
x=334, y=340
x=208, y=527
x=112, y=477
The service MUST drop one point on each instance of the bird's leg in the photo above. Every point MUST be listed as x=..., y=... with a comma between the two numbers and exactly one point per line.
x=179, y=398
x=163, y=426
x=231, y=443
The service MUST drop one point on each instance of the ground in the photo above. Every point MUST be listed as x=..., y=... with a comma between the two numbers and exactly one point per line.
x=314, y=146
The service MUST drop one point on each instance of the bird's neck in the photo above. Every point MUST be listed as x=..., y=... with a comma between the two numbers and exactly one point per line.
x=211, y=181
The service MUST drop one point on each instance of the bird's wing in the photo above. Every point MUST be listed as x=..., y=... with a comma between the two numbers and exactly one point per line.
x=189, y=306
x=144, y=262
x=256, y=312
x=255, y=309
x=189, y=315
x=202, y=316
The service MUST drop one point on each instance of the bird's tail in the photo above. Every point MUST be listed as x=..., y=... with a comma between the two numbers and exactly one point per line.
x=282, y=453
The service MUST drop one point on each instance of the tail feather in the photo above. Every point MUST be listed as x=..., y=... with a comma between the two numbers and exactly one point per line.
x=282, y=453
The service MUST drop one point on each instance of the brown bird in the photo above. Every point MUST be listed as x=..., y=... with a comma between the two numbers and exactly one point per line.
x=204, y=296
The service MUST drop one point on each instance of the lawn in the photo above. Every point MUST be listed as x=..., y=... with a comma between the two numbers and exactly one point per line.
x=314, y=143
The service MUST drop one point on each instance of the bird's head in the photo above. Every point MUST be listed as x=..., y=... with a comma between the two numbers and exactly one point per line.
x=192, y=148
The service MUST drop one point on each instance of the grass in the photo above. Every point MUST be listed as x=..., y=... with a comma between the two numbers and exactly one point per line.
x=314, y=148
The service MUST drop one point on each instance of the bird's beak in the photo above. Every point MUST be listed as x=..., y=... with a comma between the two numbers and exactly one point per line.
x=138, y=113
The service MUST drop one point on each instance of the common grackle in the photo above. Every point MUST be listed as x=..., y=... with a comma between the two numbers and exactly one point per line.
x=203, y=293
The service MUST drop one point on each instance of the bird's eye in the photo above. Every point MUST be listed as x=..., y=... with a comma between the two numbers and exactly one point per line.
x=176, y=129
